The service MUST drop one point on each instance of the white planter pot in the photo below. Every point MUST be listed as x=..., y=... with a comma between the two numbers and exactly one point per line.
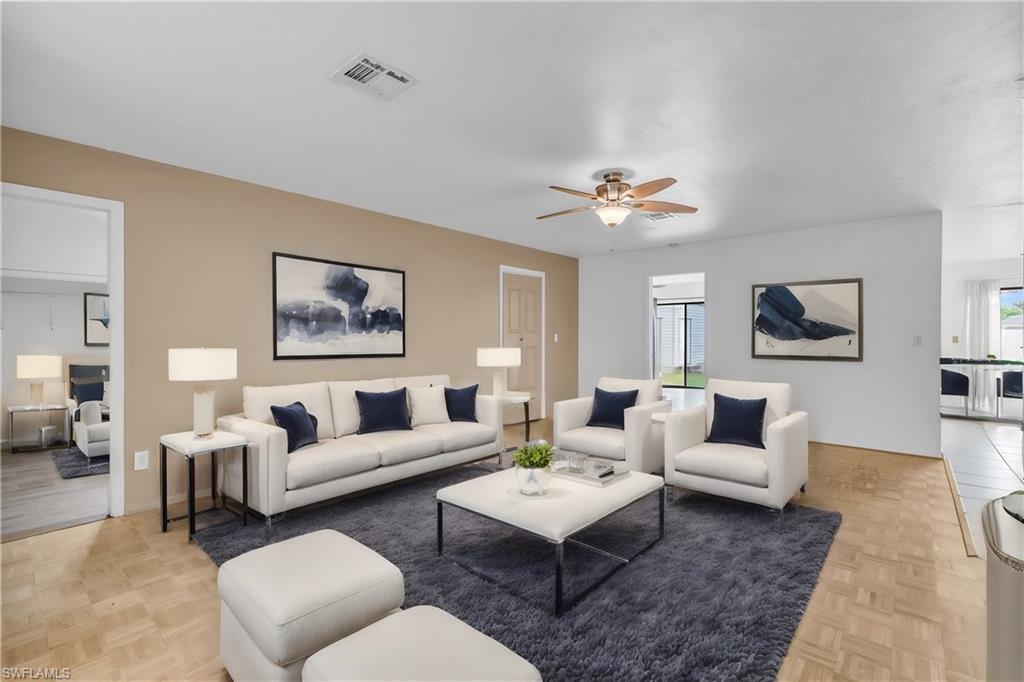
x=533, y=481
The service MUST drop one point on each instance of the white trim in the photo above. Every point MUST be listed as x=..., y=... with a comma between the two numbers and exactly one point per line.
x=61, y=276
x=512, y=270
x=115, y=281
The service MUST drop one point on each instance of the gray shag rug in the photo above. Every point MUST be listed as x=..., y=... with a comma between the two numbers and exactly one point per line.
x=718, y=598
x=72, y=463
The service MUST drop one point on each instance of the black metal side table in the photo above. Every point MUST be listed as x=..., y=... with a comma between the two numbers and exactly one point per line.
x=189, y=446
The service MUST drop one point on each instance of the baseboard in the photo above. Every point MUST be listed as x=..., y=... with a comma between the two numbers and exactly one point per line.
x=961, y=515
x=154, y=503
x=884, y=452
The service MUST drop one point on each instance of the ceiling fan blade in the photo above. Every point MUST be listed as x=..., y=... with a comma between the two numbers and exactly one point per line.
x=571, y=210
x=646, y=189
x=660, y=207
x=575, y=192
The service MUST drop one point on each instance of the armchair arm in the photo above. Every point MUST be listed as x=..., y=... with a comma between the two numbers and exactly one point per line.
x=684, y=429
x=787, y=457
x=268, y=462
x=645, y=444
x=488, y=411
x=571, y=414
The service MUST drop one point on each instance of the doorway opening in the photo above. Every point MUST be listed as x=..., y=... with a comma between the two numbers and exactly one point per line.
x=63, y=358
x=678, y=335
x=522, y=314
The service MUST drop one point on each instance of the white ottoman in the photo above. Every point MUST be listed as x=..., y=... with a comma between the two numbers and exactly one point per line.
x=283, y=602
x=421, y=643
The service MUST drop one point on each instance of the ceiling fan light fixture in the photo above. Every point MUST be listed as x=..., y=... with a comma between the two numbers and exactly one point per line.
x=613, y=215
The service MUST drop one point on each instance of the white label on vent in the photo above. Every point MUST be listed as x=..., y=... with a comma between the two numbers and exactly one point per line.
x=373, y=76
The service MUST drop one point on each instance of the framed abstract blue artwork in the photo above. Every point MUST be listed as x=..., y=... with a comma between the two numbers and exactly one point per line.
x=329, y=309
x=820, y=320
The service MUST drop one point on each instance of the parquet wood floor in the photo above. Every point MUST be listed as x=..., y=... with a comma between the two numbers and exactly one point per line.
x=898, y=599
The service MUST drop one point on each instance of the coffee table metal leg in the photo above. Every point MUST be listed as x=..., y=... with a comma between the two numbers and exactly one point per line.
x=661, y=512
x=440, y=528
x=559, y=561
x=526, y=415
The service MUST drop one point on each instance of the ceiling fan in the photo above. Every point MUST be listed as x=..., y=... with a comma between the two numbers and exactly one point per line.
x=619, y=199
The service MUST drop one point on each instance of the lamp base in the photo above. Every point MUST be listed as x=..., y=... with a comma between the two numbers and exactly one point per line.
x=498, y=387
x=36, y=393
x=202, y=411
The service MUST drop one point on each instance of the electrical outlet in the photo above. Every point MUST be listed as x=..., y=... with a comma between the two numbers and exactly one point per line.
x=918, y=341
x=956, y=339
x=141, y=460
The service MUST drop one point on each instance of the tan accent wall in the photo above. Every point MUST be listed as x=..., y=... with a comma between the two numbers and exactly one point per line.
x=197, y=272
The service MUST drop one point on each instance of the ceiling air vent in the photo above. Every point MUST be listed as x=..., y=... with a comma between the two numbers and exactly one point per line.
x=374, y=77
x=659, y=217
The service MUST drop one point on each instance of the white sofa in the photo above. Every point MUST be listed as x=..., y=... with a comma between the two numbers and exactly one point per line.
x=343, y=461
x=769, y=477
x=640, y=444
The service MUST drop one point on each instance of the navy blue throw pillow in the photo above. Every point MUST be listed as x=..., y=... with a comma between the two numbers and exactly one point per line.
x=388, y=411
x=737, y=421
x=461, y=403
x=297, y=423
x=86, y=392
x=610, y=407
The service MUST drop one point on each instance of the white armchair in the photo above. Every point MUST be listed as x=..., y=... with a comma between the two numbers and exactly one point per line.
x=92, y=434
x=769, y=477
x=639, y=444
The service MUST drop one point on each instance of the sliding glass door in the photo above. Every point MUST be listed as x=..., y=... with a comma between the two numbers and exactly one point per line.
x=679, y=343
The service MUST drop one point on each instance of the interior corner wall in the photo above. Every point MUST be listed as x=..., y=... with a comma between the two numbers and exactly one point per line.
x=198, y=273
x=890, y=401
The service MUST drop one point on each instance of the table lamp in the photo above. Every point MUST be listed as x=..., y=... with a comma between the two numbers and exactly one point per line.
x=199, y=366
x=37, y=368
x=501, y=359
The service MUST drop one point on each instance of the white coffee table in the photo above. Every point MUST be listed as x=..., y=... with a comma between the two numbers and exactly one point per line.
x=568, y=508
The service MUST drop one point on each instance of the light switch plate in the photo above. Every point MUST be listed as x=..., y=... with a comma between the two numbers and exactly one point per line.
x=556, y=337
x=141, y=460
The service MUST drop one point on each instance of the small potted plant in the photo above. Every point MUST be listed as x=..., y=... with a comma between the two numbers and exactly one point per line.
x=533, y=467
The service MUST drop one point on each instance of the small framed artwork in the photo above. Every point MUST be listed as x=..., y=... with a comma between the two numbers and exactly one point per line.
x=330, y=309
x=97, y=319
x=820, y=320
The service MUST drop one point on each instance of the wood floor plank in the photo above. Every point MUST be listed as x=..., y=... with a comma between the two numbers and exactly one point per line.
x=898, y=599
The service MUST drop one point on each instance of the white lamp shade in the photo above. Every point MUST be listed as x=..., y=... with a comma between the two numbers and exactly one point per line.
x=498, y=357
x=202, y=364
x=40, y=366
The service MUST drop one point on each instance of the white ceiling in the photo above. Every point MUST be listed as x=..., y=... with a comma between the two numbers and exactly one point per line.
x=772, y=116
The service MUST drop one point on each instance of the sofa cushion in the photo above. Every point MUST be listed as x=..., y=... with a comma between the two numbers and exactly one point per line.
x=427, y=405
x=396, y=447
x=423, y=642
x=460, y=435
x=298, y=424
x=329, y=460
x=648, y=390
x=423, y=381
x=461, y=403
x=295, y=597
x=778, y=396
x=98, y=432
x=388, y=411
x=595, y=440
x=256, y=402
x=609, y=409
x=738, y=421
x=725, y=461
x=344, y=407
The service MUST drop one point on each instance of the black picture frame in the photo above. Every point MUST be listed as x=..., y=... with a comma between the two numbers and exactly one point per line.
x=333, y=356
x=820, y=282
x=85, y=321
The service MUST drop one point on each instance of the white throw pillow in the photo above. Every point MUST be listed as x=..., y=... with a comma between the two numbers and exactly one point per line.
x=427, y=405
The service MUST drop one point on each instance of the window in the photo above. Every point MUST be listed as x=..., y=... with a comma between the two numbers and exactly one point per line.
x=679, y=343
x=1011, y=303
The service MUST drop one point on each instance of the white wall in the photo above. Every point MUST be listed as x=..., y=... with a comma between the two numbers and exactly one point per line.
x=1006, y=270
x=42, y=317
x=53, y=241
x=888, y=402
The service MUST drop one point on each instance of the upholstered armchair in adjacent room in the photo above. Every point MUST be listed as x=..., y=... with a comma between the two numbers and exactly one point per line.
x=770, y=476
x=638, y=443
x=92, y=434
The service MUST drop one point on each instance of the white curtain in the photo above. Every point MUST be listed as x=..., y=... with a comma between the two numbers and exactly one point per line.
x=981, y=318
x=981, y=337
